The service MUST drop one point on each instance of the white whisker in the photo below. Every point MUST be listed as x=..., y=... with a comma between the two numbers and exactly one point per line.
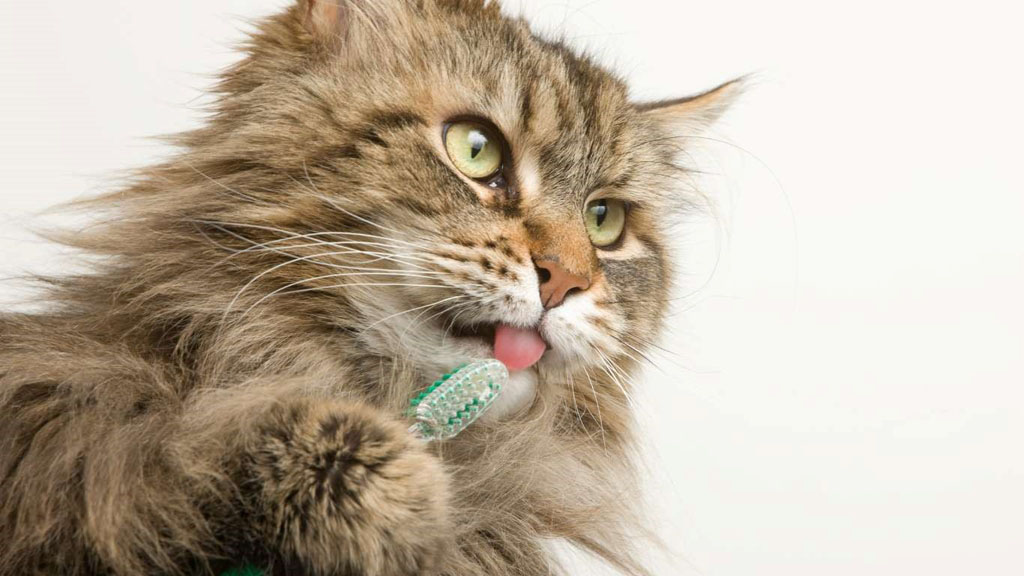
x=612, y=371
x=600, y=420
x=234, y=192
x=334, y=205
x=356, y=271
x=397, y=314
x=324, y=288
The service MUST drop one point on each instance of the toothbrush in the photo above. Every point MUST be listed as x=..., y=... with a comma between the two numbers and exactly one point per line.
x=457, y=399
x=444, y=409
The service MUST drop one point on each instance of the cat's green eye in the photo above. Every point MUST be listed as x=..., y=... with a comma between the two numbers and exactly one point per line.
x=606, y=221
x=474, y=149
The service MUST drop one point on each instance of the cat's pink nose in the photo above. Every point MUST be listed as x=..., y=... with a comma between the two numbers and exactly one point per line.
x=556, y=282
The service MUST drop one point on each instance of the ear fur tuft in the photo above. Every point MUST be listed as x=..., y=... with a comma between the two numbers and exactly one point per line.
x=694, y=114
x=326, y=19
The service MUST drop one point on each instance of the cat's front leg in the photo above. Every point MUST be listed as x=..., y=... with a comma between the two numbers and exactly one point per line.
x=341, y=489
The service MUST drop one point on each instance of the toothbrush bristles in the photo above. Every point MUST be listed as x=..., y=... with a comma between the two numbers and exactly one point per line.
x=457, y=399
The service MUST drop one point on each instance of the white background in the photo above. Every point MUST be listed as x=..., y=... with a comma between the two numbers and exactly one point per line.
x=843, y=393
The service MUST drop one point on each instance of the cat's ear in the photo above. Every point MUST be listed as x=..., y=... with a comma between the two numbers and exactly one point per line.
x=692, y=115
x=326, y=19
x=339, y=22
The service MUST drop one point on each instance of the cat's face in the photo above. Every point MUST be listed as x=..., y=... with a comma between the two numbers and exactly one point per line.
x=461, y=177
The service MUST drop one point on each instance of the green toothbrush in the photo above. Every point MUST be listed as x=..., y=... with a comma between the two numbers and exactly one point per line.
x=444, y=409
x=459, y=398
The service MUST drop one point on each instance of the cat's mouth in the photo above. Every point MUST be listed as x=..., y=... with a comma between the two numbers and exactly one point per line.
x=516, y=348
x=483, y=332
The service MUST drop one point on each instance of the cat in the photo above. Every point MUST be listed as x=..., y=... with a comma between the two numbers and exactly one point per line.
x=382, y=190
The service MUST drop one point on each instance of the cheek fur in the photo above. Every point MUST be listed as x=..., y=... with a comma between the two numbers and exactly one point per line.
x=640, y=286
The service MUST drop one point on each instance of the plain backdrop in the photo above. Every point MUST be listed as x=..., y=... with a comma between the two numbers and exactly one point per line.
x=840, y=392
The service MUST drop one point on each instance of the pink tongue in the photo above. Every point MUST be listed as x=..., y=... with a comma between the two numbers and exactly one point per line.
x=516, y=348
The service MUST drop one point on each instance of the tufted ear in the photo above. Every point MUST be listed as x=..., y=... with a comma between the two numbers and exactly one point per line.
x=693, y=115
x=326, y=18
x=337, y=22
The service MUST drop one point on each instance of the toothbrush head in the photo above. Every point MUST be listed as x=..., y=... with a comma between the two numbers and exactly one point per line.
x=459, y=398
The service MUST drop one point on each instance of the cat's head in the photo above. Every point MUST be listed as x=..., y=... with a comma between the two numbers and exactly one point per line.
x=431, y=172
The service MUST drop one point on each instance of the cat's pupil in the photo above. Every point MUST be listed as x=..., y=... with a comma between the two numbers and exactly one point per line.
x=601, y=212
x=477, y=143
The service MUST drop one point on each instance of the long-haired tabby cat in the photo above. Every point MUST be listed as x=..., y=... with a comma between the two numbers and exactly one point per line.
x=383, y=190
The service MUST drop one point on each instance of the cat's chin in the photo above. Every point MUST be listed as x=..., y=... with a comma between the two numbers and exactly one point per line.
x=517, y=396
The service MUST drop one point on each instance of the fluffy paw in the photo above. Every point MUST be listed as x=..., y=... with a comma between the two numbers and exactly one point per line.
x=345, y=491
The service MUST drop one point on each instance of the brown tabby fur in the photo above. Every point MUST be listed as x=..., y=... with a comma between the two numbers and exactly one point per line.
x=228, y=382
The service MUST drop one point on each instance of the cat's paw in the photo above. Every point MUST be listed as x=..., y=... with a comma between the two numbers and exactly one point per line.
x=345, y=491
